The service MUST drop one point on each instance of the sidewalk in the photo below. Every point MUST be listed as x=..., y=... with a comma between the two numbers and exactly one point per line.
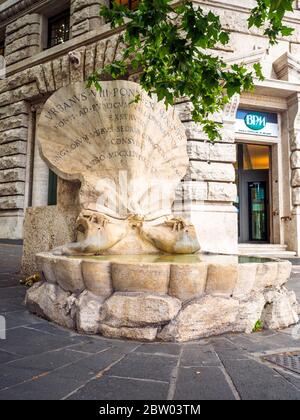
x=39, y=360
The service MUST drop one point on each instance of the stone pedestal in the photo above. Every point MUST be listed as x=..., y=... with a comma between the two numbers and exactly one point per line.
x=163, y=297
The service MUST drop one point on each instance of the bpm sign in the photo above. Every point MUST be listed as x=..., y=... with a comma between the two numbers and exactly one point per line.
x=255, y=121
x=258, y=123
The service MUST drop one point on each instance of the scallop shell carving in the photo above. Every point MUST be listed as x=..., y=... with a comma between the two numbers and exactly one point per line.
x=129, y=156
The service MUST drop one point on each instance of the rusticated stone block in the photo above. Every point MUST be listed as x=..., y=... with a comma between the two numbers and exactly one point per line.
x=204, y=171
x=27, y=91
x=57, y=72
x=33, y=28
x=296, y=177
x=10, y=175
x=30, y=40
x=212, y=152
x=80, y=28
x=279, y=311
x=133, y=333
x=12, y=188
x=184, y=111
x=89, y=12
x=28, y=19
x=51, y=302
x=16, y=161
x=14, y=109
x=209, y=315
x=81, y=4
x=193, y=190
x=296, y=196
x=221, y=191
x=194, y=131
x=111, y=49
x=21, y=55
x=90, y=55
x=141, y=277
x=138, y=310
x=13, y=148
x=295, y=160
x=12, y=202
x=188, y=281
x=49, y=77
x=85, y=16
x=16, y=134
x=250, y=311
x=14, y=122
x=88, y=308
x=100, y=54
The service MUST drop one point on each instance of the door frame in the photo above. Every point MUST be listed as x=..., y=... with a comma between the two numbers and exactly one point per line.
x=246, y=177
x=276, y=235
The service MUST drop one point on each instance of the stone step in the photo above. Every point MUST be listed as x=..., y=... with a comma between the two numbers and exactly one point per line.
x=263, y=247
x=266, y=250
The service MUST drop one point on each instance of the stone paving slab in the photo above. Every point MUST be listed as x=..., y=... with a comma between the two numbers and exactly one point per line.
x=121, y=389
x=254, y=381
x=40, y=360
x=145, y=366
x=199, y=355
x=203, y=383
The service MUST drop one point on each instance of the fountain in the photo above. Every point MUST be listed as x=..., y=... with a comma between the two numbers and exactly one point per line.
x=136, y=270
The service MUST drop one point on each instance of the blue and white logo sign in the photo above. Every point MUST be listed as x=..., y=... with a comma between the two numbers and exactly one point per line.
x=258, y=123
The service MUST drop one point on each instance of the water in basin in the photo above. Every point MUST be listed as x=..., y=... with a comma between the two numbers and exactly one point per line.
x=177, y=259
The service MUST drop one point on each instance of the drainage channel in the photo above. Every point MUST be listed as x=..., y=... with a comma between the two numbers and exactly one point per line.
x=289, y=360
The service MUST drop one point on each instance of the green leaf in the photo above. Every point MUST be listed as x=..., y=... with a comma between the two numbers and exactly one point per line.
x=258, y=71
x=167, y=43
x=224, y=38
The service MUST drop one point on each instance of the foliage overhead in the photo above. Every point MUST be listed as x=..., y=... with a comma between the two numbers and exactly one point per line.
x=171, y=44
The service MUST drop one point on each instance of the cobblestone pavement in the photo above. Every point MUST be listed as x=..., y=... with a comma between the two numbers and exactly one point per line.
x=39, y=360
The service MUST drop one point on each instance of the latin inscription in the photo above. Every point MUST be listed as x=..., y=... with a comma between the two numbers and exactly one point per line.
x=96, y=136
x=108, y=120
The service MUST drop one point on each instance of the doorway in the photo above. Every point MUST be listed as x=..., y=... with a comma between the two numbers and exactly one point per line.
x=253, y=203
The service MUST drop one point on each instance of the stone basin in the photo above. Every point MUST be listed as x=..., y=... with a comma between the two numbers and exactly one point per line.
x=165, y=297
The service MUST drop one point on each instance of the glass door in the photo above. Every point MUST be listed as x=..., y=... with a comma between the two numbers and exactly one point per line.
x=258, y=214
x=253, y=174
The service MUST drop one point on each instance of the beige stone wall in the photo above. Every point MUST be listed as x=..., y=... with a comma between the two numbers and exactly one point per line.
x=22, y=38
x=13, y=149
x=17, y=93
x=46, y=228
x=85, y=16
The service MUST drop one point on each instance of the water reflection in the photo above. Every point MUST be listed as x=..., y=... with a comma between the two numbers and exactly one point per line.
x=177, y=259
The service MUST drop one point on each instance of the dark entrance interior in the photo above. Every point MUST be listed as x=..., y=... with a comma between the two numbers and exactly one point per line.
x=253, y=174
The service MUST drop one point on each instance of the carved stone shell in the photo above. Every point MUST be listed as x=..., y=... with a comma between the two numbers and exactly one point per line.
x=128, y=156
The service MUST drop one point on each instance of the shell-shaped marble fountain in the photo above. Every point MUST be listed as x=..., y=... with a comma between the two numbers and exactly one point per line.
x=128, y=155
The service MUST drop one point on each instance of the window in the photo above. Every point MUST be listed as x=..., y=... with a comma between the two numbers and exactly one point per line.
x=52, y=189
x=256, y=157
x=2, y=46
x=132, y=4
x=59, y=29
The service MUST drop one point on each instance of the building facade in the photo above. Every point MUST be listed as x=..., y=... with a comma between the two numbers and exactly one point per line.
x=240, y=192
